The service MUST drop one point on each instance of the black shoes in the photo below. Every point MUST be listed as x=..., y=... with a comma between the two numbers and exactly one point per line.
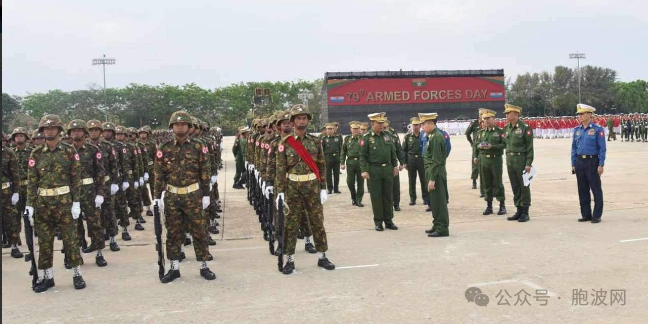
x=431, y=230
x=187, y=241
x=90, y=248
x=585, y=219
x=15, y=253
x=310, y=248
x=516, y=216
x=474, y=186
x=360, y=204
x=101, y=262
x=391, y=226
x=428, y=209
x=325, y=263
x=437, y=234
x=489, y=208
x=502, y=209
x=126, y=236
x=139, y=227
x=114, y=247
x=207, y=274
x=211, y=241
x=354, y=203
x=210, y=257
x=412, y=202
x=141, y=220
x=329, y=191
x=379, y=228
x=288, y=268
x=300, y=236
x=524, y=216
x=397, y=208
x=337, y=191
x=172, y=275
x=482, y=196
x=213, y=229
x=596, y=220
x=182, y=256
x=43, y=285
x=79, y=283
x=149, y=213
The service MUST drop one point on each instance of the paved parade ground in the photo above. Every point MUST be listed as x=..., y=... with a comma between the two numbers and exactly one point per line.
x=583, y=272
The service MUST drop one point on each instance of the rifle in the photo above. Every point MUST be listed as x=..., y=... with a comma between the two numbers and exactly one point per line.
x=269, y=221
x=157, y=221
x=280, y=235
x=29, y=238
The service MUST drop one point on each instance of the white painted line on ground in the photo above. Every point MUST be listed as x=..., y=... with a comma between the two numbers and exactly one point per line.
x=358, y=266
x=634, y=240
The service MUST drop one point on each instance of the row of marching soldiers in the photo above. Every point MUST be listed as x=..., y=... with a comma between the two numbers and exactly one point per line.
x=93, y=171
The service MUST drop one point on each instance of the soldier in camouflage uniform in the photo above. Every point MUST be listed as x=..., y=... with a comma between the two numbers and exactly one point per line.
x=10, y=197
x=351, y=161
x=142, y=161
x=211, y=211
x=182, y=171
x=133, y=193
x=298, y=181
x=111, y=180
x=37, y=138
x=148, y=156
x=54, y=194
x=122, y=157
x=93, y=176
x=332, y=145
x=129, y=160
x=489, y=145
x=20, y=136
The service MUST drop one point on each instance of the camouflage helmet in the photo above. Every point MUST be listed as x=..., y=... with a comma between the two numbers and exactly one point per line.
x=180, y=116
x=121, y=130
x=145, y=129
x=283, y=116
x=37, y=134
x=109, y=126
x=131, y=131
x=300, y=109
x=50, y=121
x=204, y=125
x=194, y=122
x=20, y=130
x=93, y=123
x=76, y=124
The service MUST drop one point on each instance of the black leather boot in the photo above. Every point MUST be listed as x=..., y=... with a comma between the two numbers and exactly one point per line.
x=524, y=216
x=489, y=208
x=170, y=276
x=502, y=208
x=517, y=214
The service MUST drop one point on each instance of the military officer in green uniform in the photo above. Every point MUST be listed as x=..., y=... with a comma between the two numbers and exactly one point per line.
x=379, y=166
x=519, y=157
x=435, y=155
x=471, y=134
x=400, y=155
x=332, y=145
x=414, y=165
x=490, y=145
x=351, y=161
x=239, y=153
x=54, y=200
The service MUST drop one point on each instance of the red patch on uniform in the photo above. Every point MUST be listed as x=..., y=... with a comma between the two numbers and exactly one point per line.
x=502, y=135
x=76, y=157
x=98, y=155
x=204, y=149
x=31, y=162
x=257, y=144
x=446, y=136
x=135, y=152
x=145, y=150
x=281, y=148
x=124, y=150
x=529, y=133
x=114, y=152
x=139, y=151
x=159, y=154
x=361, y=142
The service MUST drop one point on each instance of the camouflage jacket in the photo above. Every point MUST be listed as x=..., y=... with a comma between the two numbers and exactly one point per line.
x=289, y=162
x=23, y=158
x=271, y=170
x=109, y=161
x=135, y=161
x=56, y=168
x=148, y=153
x=10, y=171
x=123, y=157
x=92, y=167
x=180, y=165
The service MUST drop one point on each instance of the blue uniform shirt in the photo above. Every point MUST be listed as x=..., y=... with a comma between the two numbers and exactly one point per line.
x=423, y=140
x=588, y=141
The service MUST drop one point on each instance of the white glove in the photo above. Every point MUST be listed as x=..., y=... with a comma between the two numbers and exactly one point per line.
x=135, y=184
x=76, y=210
x=125, y=186
x=127, y=210
x=251, y=167
x=246, y=165
x=206, y=201
x=213, y=179
x=98, y=201
x=14, y=198
x=263, y=186
x=268, y=190
x=30, y=214
x=141, y=181
x=160, y=204
x=146, y=176
x=113, y=189
x=256, y=173
x=281, y=196
x=323, y=196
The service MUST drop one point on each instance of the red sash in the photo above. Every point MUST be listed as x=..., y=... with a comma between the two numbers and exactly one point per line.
x=304, y=155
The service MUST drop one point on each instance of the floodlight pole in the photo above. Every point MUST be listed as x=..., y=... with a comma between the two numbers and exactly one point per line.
x=578, y=56
x=104, y=61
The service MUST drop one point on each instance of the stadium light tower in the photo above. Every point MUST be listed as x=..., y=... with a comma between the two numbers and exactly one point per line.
x=578, y=56
x=304, y=96
x=104, y=61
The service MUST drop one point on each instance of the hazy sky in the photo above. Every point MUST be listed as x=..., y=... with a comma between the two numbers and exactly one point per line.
x=50, y=44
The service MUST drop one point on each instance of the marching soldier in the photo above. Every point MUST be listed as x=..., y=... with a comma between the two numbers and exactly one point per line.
x=435, y=172
x=239, y=154
x=37, y=138
x=351, y=157
x=54, y=193
x=142, y=163
x=20, y=136
x=415, y=166
x=588, y=160
x=10, y=197
x=299, y=178
x=379, y=166
x=92, y=188
x=122, y=158
x=332, y=145
x=489, y=146
x=182, y=170
x=134, y=192
x=111, y=180
x=519, y=157
x=148, y=148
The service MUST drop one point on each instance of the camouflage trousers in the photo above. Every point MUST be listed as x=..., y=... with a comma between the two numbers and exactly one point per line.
x=108, y=219
x=121, y=214
x=302, y=199
x=92, y=217
x=183, y=213
x=10, y=223
x=145, y=195
x=134, y=202
x=50, y=213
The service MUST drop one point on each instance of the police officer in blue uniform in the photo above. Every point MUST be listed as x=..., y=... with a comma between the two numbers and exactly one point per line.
x=587, y=160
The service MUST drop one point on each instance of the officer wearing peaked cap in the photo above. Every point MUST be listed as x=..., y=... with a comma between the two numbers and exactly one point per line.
x=490, y=145
x=519, y=157
x=588, y=160
x=435, y=155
